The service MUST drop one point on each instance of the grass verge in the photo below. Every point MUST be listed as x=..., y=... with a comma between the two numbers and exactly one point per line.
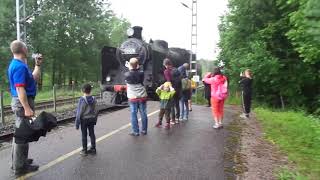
x=298, y=135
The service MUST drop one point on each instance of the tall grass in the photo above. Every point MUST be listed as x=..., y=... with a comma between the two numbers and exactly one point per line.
x=298, y=135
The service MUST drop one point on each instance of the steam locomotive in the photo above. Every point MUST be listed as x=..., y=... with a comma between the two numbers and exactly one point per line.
x=150, y=56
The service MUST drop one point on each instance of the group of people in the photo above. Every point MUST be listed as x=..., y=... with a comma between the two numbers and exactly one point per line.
x=175, y=100
x=216, y=91
x=174, y=95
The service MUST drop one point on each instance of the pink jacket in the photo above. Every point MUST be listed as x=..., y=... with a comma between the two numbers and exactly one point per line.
x=214, y=82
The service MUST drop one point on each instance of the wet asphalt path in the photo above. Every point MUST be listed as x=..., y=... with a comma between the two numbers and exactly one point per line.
x=190, y=150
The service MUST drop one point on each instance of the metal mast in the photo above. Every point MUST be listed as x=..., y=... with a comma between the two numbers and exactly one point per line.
x=194, y=38
x=20, y=20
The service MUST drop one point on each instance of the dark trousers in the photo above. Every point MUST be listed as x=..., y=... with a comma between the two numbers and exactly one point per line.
x=84, y=129
x=209, y=101
x=175, y=110
x=166, y=113
x=246, y=102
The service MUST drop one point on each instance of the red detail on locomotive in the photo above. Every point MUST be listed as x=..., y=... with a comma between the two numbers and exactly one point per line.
x=120, y=88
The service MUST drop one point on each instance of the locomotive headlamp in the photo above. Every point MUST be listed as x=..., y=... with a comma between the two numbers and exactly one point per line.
x=130, y=32
x=108, y=78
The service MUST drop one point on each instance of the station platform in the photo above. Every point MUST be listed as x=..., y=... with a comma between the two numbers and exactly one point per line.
x=189, y=150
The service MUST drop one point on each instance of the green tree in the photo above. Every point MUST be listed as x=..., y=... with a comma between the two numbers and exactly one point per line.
x=69, y=33
x=278, y=41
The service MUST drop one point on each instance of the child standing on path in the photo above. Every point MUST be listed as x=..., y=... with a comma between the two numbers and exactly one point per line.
x=166, y=95
x=219, y=92
x=137, y=95
x=246, y=86
x=86, y=117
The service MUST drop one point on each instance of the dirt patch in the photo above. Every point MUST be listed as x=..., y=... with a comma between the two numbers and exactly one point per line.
x=262, y=158
x=234, y=164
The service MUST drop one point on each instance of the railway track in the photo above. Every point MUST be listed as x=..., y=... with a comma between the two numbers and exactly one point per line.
x=103, y=109
x=48, y=104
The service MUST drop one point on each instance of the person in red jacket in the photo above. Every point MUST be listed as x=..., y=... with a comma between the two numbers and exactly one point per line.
x=219, y=92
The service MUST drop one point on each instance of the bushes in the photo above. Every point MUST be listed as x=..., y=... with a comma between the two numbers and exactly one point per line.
x=297, y=134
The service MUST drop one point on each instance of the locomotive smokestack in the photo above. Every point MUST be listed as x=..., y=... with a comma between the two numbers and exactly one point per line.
x=137, y=32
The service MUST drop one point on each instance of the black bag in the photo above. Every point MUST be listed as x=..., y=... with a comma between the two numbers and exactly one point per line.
x=176, y=79
x=92, y=117
x=31, y=130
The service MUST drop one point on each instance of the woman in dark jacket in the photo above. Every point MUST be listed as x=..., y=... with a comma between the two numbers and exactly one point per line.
x=246, y=86
x=207, y=93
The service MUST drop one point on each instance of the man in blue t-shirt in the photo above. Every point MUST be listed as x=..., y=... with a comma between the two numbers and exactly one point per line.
x=23, y=91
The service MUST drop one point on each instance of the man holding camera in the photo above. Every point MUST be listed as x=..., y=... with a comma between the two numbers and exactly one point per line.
x=23, y=91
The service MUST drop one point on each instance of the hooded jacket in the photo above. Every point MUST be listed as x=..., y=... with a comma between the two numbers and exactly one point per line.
x=84, y=109
x=165, y=97
x=214, y=82
x=135, y=88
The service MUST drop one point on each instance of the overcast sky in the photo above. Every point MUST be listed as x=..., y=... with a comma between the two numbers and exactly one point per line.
x=169, y=20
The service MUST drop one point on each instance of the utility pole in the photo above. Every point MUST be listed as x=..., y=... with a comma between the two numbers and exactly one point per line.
x=21, y=20
x=194, y=38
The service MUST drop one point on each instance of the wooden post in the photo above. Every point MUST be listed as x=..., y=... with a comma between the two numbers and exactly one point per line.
x=73, y=96
x=1, y=109
x=54, y=99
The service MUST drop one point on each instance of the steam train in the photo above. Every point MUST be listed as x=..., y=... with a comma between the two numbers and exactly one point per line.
x=150, y=55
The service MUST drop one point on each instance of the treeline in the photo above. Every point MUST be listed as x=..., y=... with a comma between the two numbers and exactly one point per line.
x=70, y=34
x=280, y=41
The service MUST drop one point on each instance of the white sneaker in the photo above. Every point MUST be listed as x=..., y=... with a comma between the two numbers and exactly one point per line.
x=220, y=124
x=216, y=126
x=243, y=116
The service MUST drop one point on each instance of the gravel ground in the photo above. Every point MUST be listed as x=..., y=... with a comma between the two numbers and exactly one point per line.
x=262, y=158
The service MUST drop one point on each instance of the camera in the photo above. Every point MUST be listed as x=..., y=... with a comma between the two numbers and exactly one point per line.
x=36, y=56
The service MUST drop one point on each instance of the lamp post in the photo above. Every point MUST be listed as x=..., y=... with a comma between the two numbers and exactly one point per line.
x=194, y=37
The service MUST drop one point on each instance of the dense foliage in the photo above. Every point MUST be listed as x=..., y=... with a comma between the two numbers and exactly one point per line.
x=280, y=41
x=69, y=33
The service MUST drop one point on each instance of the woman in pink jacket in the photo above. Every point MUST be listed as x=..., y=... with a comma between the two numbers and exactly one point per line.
x=219, y=92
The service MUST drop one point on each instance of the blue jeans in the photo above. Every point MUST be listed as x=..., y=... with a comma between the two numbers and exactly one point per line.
x=184, y=108
x=134, y=107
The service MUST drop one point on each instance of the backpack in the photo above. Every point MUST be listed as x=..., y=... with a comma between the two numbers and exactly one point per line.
x=176, y=78
x=222, y=91
x=193, y=84
x=186, y=84
x=92, y=117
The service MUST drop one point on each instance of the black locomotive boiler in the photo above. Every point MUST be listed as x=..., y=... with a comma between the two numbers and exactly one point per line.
x=150, y=55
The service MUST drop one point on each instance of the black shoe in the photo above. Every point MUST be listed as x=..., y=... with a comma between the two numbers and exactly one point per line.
x=143, y=133
x=92, y=151
x=29, y=161
x=134, y=134
x=26, y=169
x=83, y=152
